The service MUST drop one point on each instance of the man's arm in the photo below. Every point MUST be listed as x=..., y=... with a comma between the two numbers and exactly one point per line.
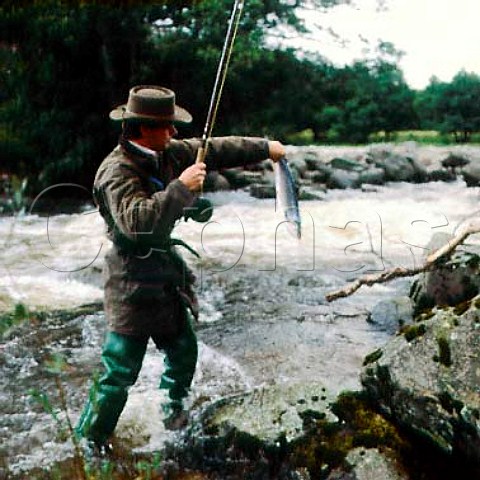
x=194, y=176
x=226, y=152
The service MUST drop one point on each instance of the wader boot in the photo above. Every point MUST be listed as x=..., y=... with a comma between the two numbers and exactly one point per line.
x=180, y=362
x=122, y=358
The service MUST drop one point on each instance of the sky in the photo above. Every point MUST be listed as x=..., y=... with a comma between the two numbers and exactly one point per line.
x=438, y=37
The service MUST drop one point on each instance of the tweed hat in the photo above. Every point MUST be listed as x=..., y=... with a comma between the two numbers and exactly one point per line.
x=150, y=102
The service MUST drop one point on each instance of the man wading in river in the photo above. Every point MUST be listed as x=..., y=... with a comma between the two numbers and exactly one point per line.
x=142, y=189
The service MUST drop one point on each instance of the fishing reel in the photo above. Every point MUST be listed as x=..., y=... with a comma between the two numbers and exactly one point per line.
x=201, y=211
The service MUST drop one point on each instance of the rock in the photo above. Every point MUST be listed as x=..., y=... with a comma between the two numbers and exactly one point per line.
x=253, y=430
x=372, y=176
x=317, y=176
x=259, y=190
x=453, y=161
x=471, y=174
x=309, y=193
x=239, y=178
x=215, y=182
x=449, y=284
x=313, y=161
x=343, y=179
x=353, y=167
x=392, y=314
x=399, y=168
x=345, y=164
x=442, y=176
x=297, y=162
x=368, y=464
x=269, y=415
x=427, y=380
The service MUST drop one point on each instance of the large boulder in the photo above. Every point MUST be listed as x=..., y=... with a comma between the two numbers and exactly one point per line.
x=239, y=177
x=291, y=431
x=450, y=283
x=269, y=415
x=313, y=161
x=471, y=174
x=399, y=168
x=297, y=162
x=215, y=182
x=249, y=435
x=345, y=164
x=428, y=378
x=343, y=179
x=372, y=176
x=455, y=161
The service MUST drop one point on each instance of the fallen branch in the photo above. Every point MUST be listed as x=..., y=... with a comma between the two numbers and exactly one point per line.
x=431, y=262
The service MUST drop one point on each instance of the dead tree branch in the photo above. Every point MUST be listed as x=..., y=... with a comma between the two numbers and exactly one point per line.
x=431, y=262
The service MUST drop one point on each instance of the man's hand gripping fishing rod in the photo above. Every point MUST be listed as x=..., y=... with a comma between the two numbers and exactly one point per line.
x=202, y=209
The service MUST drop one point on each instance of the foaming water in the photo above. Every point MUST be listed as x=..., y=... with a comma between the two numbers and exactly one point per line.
x=55, y=262
x=393, y=224
x=44, y=259
x=141, y=422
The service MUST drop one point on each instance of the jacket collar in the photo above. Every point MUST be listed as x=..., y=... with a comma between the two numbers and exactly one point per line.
x=145, y=157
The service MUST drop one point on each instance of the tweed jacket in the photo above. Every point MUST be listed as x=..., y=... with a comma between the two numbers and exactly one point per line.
x=140, y=198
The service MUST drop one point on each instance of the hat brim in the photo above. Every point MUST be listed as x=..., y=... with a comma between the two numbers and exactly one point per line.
x=121, y=113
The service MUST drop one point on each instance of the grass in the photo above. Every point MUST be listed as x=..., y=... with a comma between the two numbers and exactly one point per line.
x=424, y=137
x=18, y=315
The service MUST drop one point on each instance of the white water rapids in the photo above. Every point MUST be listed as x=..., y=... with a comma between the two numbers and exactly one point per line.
x=55, y=262
x=47, y=262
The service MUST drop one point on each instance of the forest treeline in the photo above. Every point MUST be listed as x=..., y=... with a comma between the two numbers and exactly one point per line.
x=66, y=64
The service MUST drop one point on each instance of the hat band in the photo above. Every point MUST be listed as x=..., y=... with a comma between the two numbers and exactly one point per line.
x=150, y=108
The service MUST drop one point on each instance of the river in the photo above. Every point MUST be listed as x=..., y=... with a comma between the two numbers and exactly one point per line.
x=264, y=319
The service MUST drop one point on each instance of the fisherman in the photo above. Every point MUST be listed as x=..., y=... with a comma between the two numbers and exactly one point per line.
x=142, y=188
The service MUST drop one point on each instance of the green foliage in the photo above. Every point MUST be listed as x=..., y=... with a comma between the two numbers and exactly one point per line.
x=326, y=444
x=425, y=137
x=43, y=400
x=373, y=97
x=305, y=137
x=372, y=357
x=452, y=108
x=148, y=468
x=414, y=331
x=19, y=314
x=67, y=64
x=444, y=351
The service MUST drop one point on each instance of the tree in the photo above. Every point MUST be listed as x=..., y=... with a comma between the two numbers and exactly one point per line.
x=394, y=98
x=452, y=108
x=70, y=62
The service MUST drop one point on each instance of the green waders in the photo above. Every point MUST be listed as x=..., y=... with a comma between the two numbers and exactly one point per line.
x=122, y=356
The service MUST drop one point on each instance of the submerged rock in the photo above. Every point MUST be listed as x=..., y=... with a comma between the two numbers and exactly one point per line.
x=391, y=314
x=454, y=161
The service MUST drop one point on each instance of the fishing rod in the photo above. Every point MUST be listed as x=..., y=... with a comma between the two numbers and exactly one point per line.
x=202, y=209
x=220, y=78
